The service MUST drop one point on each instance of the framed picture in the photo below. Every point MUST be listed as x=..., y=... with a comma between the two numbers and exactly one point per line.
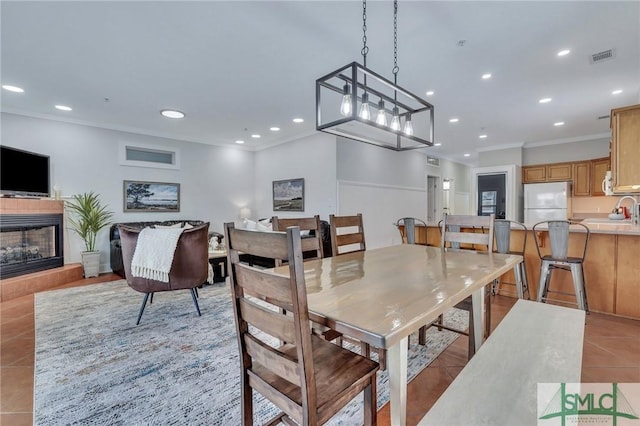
x=288, y=195
x=158, y=197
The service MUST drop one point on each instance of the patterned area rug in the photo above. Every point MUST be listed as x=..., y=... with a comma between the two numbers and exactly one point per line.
x=95, y=366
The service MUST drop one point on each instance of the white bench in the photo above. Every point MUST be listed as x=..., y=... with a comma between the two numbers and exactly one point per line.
x=534, y=343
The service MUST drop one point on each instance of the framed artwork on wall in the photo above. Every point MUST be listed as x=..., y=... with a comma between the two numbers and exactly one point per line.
x=288, y=195
x=160, y=197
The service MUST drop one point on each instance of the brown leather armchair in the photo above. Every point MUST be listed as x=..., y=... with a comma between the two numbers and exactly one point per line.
x=188, y=270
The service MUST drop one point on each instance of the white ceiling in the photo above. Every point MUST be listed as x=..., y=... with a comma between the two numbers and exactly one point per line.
x=237, y=68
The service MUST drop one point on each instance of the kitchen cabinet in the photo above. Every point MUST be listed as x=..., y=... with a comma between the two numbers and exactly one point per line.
x=556, y=172
x=534, y=174
x=599, y=168
x=588, y=176
x=582, y=179
x=625, y=149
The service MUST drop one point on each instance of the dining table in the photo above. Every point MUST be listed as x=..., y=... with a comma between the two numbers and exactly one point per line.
x=381, y=296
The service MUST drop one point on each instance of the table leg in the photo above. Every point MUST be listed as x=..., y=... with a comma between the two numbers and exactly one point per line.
x=477, y=301
x=397, y=366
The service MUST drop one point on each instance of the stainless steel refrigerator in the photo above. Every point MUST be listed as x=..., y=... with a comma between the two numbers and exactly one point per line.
x=546, y=201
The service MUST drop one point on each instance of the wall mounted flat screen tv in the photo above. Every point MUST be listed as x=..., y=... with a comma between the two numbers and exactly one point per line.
x=23, y=173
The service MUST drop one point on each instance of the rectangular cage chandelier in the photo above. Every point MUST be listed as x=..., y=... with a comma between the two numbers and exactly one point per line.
x=357, y=103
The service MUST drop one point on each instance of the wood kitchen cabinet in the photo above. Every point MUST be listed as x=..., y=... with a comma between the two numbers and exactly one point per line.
x=556, y=172
x=582, y=178
x=588, y=177
x=599, y=168
x=625, y=149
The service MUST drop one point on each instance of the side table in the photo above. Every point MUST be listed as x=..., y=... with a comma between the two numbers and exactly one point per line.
x=218, y=261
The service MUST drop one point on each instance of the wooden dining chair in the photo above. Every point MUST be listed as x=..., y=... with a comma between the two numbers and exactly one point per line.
x=308, y=378
x=347, y=236
x=463, y=232
x=311, y=244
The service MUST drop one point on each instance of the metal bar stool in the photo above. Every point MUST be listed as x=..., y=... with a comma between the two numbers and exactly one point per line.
x=408, y=234
x=502, y=231
x=559, y=259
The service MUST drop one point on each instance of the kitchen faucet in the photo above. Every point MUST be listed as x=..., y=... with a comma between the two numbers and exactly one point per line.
x=634, y=210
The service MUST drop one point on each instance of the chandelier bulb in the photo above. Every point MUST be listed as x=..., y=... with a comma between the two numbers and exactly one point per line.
x=408, y=127
x=382, y=115
x=345, y=107
x=365, y=112
x=395, y=120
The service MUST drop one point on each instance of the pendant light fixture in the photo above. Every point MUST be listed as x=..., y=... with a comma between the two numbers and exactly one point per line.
x=354, y=102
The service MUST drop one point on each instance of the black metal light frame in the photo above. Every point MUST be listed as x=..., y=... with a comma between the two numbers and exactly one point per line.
x=354, y=127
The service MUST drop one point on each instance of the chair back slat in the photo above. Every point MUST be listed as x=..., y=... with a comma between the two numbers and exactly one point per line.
x=341, y=238
x=453, y=231
x=263, y=244
x=270, y=321
x=559, y=239
x=261, y=285
x=502, y=229
x=272, y=358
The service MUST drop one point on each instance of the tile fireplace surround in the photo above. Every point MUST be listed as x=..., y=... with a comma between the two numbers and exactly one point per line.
x=11, y=288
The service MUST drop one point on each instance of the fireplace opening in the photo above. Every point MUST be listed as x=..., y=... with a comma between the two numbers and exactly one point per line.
x=30, y=243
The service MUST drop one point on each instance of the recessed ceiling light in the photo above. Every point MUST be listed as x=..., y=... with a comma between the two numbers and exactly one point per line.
x=467, y=155
x=430, y=93
x=255, y=136
x=486, y=76
x=298, y=120
x=482, y=136
x=171, y=113
x=239, y=141
x=559, y=123
x=437, y=144
x=564, y=52
x=274, y=129
x=15, y=89
x=63, y=108
x=545, y=100
x=454, y=120
x=616, y=92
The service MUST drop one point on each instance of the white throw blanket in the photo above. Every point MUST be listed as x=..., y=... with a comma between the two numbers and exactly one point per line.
x=154, y=252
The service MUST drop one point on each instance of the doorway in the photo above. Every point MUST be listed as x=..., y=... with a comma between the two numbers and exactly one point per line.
x=492, y=195
x=432, y=198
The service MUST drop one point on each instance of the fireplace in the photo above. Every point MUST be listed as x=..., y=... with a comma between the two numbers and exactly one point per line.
x=30, y=243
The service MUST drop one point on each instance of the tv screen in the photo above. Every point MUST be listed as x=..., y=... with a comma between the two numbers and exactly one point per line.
x=23, y=173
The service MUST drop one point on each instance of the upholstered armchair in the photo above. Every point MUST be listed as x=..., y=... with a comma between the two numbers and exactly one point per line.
x=188, y=270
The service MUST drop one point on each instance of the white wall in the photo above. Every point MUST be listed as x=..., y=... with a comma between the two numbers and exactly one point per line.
x=573, y=151
x=312, y=158
x=214, y=181
x=381, y=184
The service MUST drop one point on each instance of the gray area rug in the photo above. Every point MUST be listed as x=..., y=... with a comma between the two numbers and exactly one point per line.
x=94, y=366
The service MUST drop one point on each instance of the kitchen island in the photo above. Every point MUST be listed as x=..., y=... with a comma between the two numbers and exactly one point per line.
x=611, y=267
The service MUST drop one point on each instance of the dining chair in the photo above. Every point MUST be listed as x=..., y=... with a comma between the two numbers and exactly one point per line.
x=343, y=233
x=559, y=258
x=407, y=228
x=311, y=243
x=463, y=232
x=507, y=245
x=308, y=378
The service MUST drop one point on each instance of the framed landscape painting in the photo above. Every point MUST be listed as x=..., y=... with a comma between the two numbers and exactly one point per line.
x=151, y=196
x=288, y=195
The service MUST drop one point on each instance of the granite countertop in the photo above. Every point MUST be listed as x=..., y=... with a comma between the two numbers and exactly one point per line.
x=622, y=227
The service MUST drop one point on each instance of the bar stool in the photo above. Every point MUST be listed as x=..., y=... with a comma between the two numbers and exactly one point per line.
x=408, y=234
x=502, y=231
x=559, y=259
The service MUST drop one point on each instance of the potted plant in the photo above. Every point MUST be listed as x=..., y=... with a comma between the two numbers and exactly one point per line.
x=88, y=217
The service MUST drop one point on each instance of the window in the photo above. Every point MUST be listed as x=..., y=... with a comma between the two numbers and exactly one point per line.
x=161, y=157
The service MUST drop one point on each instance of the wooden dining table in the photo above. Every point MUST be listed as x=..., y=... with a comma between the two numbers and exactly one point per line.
x=382, y=296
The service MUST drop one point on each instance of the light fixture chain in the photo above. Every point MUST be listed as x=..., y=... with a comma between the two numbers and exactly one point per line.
x=365, y=48
x=395, y=41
